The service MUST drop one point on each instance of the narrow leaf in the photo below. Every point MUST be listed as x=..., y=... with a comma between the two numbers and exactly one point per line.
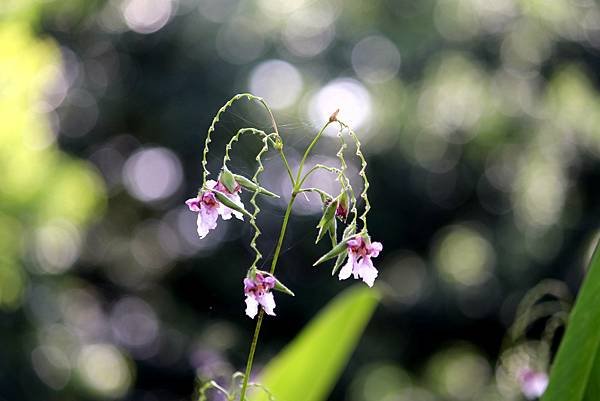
x=338, y=263
x=328, y=216
x=308, y=368
x=335, y=251
x=576, y=369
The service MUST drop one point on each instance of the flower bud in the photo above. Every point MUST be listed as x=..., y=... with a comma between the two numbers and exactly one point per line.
x=341, y=211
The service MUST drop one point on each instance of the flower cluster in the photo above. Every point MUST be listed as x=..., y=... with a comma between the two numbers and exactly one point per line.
x=222, y=198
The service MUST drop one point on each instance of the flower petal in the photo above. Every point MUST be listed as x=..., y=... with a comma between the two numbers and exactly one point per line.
x=375, y=248
x=346, y=270
x=207, y=220
x=193, y=204
x=251, y=306
x=211, y=184
x=367, y=271
x=268, y=303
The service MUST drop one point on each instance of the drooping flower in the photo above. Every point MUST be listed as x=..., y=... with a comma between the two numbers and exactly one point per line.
x=533, y=383
x=258, y=292
x=209, y=208
x=359, y=262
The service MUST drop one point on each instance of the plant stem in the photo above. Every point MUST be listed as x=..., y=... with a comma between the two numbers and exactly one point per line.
x=286, y=218
x=306, y=153
x=261, y=313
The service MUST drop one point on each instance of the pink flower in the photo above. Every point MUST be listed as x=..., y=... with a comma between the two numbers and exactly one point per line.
x=258, y=292
x=209, y=208
x=359, y=260
x=533, y=383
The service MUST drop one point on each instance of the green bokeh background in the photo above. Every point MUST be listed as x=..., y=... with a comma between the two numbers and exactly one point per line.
x=480, y=121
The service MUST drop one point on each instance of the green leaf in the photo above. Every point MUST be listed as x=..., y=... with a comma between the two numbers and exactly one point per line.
x=308, y=368
x=335, y=251
x=338, y=263
x=575, y=374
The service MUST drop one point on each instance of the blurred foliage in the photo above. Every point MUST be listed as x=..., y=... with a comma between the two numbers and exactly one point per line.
x=46, y=197
x=481, y=120
x=308, y=368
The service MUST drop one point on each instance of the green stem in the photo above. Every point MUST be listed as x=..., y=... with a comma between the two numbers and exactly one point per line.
x=286, y=219
x=261, y=314
x=312, y=144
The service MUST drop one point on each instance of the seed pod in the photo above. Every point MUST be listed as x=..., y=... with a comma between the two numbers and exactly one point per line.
x=249, y=184
x=229, y=203
x=226, y=178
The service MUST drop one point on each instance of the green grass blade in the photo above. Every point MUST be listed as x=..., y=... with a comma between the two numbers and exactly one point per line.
x=308, y=368
x=575, y=374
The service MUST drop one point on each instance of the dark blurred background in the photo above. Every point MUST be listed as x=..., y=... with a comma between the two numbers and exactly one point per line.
x=480, y=121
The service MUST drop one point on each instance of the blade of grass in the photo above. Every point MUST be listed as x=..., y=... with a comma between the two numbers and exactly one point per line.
x=308, y=368
x=575, y=373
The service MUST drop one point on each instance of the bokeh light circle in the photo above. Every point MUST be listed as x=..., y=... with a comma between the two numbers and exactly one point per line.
x=375, y=59
x=277, y=81
x=346, y=94
x=152, y=174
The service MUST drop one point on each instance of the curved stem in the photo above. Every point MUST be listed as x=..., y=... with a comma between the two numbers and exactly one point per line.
x=280, y=147
x=307, y=152
x=322, y=167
